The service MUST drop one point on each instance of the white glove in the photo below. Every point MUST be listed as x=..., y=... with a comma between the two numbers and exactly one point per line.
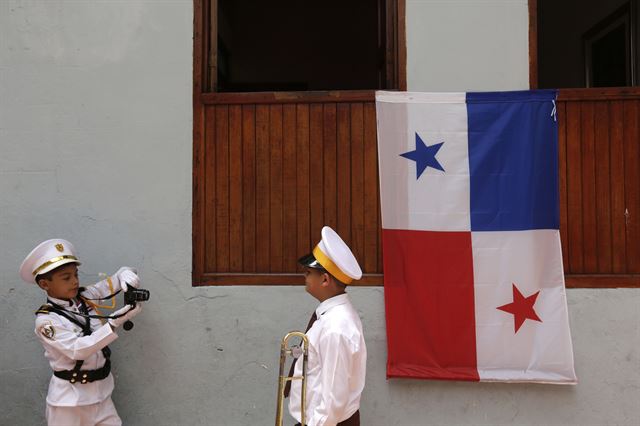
x=128, y=311
x=127, y=275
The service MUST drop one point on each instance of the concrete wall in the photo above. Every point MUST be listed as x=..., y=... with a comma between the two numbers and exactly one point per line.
x=467, y=45
x=95, y=130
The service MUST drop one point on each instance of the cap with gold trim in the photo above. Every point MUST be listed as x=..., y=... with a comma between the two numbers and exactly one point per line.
x=334, y=256
x=46, y=257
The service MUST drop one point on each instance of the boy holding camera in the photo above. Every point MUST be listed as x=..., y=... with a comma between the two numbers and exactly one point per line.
x=74, y=339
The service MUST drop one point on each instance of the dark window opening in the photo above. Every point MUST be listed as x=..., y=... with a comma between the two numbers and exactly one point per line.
x=608, y=65
x=291, y=45
x=588, y=43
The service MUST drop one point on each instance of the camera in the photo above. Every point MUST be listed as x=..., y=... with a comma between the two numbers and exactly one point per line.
x=133, y=295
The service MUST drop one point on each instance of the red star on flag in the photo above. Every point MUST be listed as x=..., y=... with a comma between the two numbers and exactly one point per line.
x=521, y=308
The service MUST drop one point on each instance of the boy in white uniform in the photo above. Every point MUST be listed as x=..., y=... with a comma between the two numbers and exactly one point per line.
x=76, y=345
x=337, y=359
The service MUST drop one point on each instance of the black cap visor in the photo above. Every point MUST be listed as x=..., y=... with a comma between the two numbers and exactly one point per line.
x=310, y=261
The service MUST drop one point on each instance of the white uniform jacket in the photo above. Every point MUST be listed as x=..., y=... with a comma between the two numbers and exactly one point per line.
x=64, y=344
x=336, y=365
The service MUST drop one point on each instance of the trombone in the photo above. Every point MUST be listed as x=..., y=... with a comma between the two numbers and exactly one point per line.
x=295, y=352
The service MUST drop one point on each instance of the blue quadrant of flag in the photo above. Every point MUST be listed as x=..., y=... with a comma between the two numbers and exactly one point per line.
x=507, y=193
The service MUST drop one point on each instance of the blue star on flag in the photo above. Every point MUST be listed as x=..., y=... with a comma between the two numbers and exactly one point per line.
x=424, y=156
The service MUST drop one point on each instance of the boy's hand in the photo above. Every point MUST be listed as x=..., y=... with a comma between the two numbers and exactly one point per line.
x=128, y=311
x=127, y=275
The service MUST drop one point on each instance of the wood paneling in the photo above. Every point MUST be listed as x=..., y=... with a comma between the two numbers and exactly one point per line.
x=276, y=187
x=235, y=188
x=616, y=166
x=631, y=142
x=343, y=164
x=587, y=142
x=599, y=153
x=249, y=197
x=270, y=175
x=357, y=180
x=270, y=98
x=274, y=175
x=329, y=160
x=574, y=184
x=289, y=172
x=303, y=189
x=602, y=184
x=220, y=144
x=262, y=191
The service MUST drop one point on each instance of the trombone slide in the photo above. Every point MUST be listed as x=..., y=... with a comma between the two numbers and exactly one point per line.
x=296, y=353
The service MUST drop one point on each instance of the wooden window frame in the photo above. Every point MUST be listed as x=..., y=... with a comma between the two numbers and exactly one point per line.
x=533, y=45
x=582, y=95
x=203, y=98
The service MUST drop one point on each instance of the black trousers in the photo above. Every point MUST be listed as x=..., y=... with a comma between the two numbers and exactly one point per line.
x=354, y=420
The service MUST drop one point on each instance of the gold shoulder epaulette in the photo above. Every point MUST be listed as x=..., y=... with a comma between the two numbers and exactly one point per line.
x=44, y=309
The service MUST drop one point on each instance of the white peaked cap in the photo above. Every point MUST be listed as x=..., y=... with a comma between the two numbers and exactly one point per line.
x=46, y=257
x=336, y=258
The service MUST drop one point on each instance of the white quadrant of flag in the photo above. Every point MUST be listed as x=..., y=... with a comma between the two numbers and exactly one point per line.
x=437, y=200
x=530, y=261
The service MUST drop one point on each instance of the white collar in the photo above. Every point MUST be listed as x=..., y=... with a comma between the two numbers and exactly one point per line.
x=334, y=301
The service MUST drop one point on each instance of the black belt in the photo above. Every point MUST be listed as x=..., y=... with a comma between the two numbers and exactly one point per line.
x=354, y=420
x=85, y=376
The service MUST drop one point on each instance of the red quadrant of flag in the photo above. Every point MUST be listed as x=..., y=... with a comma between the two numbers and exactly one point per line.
x=429, y=276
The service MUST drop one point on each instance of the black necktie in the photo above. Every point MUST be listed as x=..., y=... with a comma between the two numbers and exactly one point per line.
x=287, y=386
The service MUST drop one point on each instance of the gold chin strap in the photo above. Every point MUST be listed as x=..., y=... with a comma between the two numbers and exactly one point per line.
x=331, y=267
x=52, y=261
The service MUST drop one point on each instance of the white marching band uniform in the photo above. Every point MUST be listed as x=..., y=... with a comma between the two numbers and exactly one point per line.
x=76, y=401
x=337, y=360
x=65, y=345
x=336, y=365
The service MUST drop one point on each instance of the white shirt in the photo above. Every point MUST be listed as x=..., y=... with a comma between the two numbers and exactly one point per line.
x=64, y=344
x=336, y=365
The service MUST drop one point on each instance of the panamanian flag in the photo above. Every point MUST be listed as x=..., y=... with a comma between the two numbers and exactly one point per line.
x=473, y=276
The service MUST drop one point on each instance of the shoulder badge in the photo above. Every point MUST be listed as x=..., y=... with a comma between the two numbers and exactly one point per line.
x=48, y=331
